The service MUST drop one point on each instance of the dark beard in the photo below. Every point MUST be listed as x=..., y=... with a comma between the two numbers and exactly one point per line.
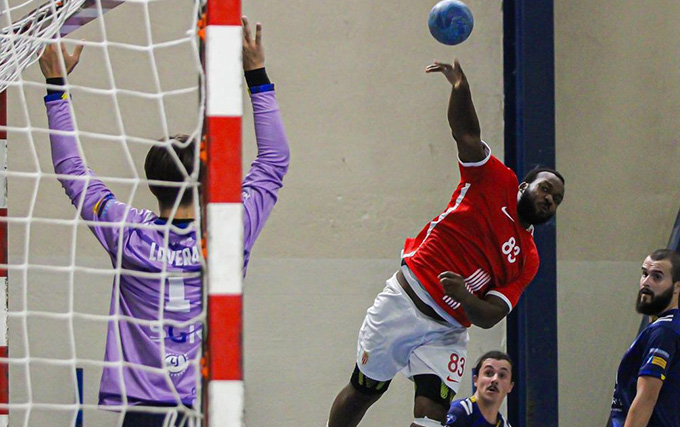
x=656, y=305
x=527, y=212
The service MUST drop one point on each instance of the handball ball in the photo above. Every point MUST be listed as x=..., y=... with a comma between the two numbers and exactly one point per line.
x=450, y=22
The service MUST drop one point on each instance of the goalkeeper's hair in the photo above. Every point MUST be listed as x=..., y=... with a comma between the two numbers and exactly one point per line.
x=160, y=165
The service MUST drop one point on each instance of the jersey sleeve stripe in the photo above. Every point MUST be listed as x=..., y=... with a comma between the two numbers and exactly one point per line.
x=501, y=296
x=659, y=361
x=487, y=151
x=475, y=276
x=467, y=405
x=433, y=224
x=459, y=200
x=659, y=351
x=481, y=278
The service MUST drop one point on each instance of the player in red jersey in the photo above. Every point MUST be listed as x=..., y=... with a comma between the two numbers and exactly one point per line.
x=469, y=265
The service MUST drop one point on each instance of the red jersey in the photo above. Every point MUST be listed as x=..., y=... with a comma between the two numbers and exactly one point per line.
x=479, y=237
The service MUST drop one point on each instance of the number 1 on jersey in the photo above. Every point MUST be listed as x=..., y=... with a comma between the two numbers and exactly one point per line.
x=176, y=301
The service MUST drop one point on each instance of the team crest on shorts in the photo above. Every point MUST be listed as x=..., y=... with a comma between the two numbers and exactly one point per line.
x=176, y=363
x=364, y=358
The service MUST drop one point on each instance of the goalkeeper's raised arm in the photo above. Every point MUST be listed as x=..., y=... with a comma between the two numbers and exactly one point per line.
x=65, y=152
x=265, y=177
x=98, y=202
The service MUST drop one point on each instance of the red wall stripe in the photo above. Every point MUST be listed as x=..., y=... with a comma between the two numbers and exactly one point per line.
x=4, y=381
x=224, y=12
x=4, y=371
x=3, y=114
x=224, y=336
x=3, y=241
x=224, y=160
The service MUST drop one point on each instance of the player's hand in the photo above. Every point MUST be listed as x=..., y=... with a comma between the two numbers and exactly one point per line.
x=253, y=49
x=454, y=285
x=453, y=73
x=50, y=63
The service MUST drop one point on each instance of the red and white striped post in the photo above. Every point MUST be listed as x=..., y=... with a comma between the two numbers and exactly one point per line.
x=4, y=353
x=224, y=222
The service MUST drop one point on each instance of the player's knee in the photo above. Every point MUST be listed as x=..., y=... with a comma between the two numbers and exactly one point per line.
x=366, y=387
x=433, y=396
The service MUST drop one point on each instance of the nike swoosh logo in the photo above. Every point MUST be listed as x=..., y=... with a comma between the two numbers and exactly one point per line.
x=505, y=211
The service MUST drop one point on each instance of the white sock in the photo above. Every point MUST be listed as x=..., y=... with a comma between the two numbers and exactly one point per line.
x=427, y=422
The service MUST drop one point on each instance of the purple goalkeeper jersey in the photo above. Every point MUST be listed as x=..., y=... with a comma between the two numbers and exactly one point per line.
x=157, y=297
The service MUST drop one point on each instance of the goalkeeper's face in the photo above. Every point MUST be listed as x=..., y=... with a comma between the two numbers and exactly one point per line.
x=493, y=381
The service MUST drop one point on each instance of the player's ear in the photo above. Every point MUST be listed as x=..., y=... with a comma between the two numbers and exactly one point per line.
x=512, y=385
x=523, y=186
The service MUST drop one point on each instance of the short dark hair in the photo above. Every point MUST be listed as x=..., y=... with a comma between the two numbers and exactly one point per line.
x=673, y=257
x=533, y=173
x=496, y=355
x=160, y=165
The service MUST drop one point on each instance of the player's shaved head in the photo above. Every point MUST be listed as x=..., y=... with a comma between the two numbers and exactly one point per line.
x=533, y=174
x=161, y=165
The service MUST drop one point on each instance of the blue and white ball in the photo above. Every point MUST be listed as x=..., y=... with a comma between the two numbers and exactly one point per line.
x=450, y=22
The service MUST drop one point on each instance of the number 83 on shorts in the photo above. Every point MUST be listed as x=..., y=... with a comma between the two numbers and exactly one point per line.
x=456, y=367
x=445, y=359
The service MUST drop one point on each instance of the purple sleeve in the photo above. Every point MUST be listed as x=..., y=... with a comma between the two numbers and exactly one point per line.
x=99, y=206
x=265, y=177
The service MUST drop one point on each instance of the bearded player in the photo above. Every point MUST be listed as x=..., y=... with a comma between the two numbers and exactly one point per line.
x=647, y=388
x=154, y=340
x=469, y=265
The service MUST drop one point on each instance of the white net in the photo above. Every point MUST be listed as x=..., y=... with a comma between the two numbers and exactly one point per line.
x=139, y=80
x=23, y=39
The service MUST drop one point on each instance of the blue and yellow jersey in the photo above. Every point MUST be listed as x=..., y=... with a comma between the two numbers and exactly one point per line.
x=654, y=353
x=466, y=413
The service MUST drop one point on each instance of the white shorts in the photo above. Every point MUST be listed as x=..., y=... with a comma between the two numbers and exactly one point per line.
x=396, y=336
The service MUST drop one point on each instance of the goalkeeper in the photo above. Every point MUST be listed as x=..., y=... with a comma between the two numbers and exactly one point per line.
x=152, y=350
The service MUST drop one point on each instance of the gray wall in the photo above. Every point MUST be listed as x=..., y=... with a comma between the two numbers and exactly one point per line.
x=618, y=95
x=372, y=162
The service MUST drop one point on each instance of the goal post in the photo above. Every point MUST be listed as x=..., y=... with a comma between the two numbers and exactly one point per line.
x=4, y=367
x=224, y=216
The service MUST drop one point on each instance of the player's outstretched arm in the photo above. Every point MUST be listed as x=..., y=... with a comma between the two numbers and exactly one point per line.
x=484, y=313
x=462, y=115
x=253, y=48
x=52, y=67
x=641, y=409
x=265, y=177
x=65, y=152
